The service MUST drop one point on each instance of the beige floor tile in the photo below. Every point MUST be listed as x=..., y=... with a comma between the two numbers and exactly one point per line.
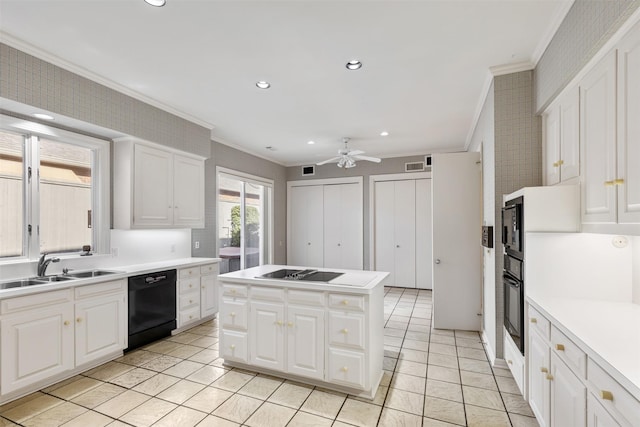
x=133, y=377
x=108, y=371
x=389, y=363
x=148, y=412
x=444, y=390
x=414, y=355
x=447, y=350
x=378, y=399
x=405, y=401
x=207, y=374
x=411, y=368
x=507, y=385
x=156, y=384
x=444, y=410
x=98, y=395
x=232, y=381
x=260, y=387
x=182, y=417
x=76, y=388
x=478, y=380
x=205, y=356
x=443, y=339
x=467, y=334
x=430, y=422
x=291, y=394
x=30, y=407
x=322, y=403
x=482, y=397
x=472, y=353
x=117, y=423
x=421, y=322
x=392, y=341
x=390, y=332
x=474, y=365
x=61, y=384
x=303, y=419
x=359, y=413
x=441, y=373
x=55, y=416
x=208, y=399
x=516, y=404
x=213, y=421
x=204, y=342
x=184, y=337
x=386, y=378
x=183, y=369
x=523, y=421
x=138, y=357
x=270, y=415
x=502, y=372
x=445, y=332
x=237, y=408
x=185, y=351
x=161, y=363
x=122, y=403
x=21, y=401
x=483, y=417
x=410, y=383
x=415, y=345
x=162, y=346
x=392, y=418
x=181, y=391
x=470, y=342
x=418, y=336
x=89, y=419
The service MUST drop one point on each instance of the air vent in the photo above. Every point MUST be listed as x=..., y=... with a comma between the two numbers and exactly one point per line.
x=427, y=163
x=414, y=167
x=308, y=170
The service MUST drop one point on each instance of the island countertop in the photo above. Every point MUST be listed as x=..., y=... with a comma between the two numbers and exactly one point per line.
x=352, y=281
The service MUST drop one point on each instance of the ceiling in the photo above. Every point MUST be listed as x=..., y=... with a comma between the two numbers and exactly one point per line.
x=424, y=76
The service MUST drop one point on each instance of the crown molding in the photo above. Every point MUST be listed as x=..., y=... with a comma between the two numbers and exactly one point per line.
x=501, y=70
x=32, y=50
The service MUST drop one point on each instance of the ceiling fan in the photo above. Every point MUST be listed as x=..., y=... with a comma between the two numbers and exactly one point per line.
x=347, y=158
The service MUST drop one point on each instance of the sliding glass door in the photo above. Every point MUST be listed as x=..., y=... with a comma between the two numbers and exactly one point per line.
x=244, y=220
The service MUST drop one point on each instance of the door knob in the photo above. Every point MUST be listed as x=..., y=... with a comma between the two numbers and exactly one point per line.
x=397, y=246
x=437, y=261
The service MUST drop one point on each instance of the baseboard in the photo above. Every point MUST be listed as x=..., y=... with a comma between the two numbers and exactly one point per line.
x=491, y=353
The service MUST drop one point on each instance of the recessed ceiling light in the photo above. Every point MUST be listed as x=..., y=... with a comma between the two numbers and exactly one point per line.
x=311, y=142
x=354, y=64
x=156, y=3
x=263, y=85
x=42, y=116
x=384, y=133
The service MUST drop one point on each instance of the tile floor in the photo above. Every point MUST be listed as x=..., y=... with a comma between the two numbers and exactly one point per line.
x=432, y=378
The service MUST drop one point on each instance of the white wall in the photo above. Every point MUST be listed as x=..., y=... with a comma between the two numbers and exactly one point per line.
x=635, y=241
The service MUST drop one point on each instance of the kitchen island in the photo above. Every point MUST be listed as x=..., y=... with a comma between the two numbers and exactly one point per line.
x=323, y=327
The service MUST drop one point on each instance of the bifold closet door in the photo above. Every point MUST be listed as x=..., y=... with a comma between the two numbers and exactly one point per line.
x=343, y=226
x=307, y=235
x=424, y=235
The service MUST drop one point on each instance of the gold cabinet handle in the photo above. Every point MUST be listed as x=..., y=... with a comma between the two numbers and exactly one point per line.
x=345, y=331
x=345, y=369
x=190, y=317
x=560, y=162
x=606, y=395
x=279, y=322
x=290, y=324
x=609, y=183
x=618, y=181
x=79, y=319
x=202, y=286
x=233, y=291
x=232, y=346
x=232, y=314
x=510, y=362
x=534, y=320
x=190, y=301
x=345, y=302
x=544, y=370
x=549, y=377
x=560, y=347
x=556, y=164
x=66, y=323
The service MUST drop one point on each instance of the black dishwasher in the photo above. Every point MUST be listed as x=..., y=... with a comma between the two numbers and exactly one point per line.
x=152, y=307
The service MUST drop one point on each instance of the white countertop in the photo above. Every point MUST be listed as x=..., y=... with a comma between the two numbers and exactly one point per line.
x=610, y=330
x=123, y=271
x=353, y=281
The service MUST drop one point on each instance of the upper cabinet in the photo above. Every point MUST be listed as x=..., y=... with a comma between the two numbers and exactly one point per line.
x=561, y=140
x=155, y=187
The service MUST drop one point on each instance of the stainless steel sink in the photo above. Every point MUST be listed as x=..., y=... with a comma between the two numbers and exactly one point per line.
x=47, y=279
x=21, y=283
x=87, y=274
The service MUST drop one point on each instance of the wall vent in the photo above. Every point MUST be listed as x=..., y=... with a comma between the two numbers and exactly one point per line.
x=427, y=163
x=414, y=167
x=308, y=170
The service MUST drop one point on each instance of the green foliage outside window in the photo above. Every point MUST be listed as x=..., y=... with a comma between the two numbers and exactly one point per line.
x=252, y=219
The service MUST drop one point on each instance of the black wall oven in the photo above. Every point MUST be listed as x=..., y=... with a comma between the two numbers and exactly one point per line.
x=514, y=300
x=512, y=228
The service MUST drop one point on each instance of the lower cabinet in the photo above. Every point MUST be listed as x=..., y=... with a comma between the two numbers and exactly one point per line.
x=305, y=341
x=597, y=416
x=197, y=293
x=568, y=395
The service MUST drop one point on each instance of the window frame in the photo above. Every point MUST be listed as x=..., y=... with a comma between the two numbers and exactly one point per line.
x=33, y=132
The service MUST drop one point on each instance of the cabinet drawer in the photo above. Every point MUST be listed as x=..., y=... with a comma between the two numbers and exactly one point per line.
x=185, y=273
x=12, y=305
x=234, y=290
x=234, y=345
x=539, y=323
x=233, y=314
x=190, y=315
x=346, y=329
x=268, y=294
x=515, y=361
x=188, y=285
x=569, y=352
x=612, y=395
x=346, y=302
x=346, y=367
x=306, y=297
x=209, y=269
x=99, y=289
x=189, y=300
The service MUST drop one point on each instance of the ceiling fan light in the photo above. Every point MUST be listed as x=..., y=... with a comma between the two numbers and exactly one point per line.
x=156, y=3
x=354, y=64
x=350, y=163
x=263, y=84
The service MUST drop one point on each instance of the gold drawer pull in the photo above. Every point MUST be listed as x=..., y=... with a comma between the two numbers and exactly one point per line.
x=606, y=395
x=233, y=346
x=345, y=369
x=560, y=162
x=608, y=183
x=510, y=362
x=79, y=319
x=279, y=322
x=534, y=320
x=233, y=291
x=618, y=181
x=232, y=314
x=549, y=377
x=345, y=331
x=290, y=324
x=345, y=302
x=560, y=347
x=556, y=164
x=544, y=370
x=66, y=323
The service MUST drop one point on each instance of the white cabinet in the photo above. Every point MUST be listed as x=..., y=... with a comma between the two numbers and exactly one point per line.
x=155, y=187
x=305, y=341
x=597, y=416
x=197, y=297
x=568, y=396
x=306, y=236
x=342, y=226
x=561, y=139
x=209, y=290
x=234, y=320
x=266, y=341
x=402, y=231
x=539, y=390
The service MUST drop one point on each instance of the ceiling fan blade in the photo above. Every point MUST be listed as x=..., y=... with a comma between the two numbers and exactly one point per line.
x=355, y=152
x=332, y=160
x=367, y=158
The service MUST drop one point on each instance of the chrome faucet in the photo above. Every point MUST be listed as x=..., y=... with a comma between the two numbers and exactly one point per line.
x=44, y=263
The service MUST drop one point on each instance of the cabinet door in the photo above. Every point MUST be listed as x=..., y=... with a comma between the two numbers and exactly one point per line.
x=568, y=396
x=598, y=142
x=305, y=341
x=35, y=345
x=569, y=163
x=538, y=383
x=153, y=187
x=188, y=193
x=306, y=226
x=551, y=126
x=405, y=233
x=597, y=416
x=266, y=337
x=208, y=295
x=629, y=128
x=424, y=257
x=343, y=226
x=384, y=229
x=101, y=327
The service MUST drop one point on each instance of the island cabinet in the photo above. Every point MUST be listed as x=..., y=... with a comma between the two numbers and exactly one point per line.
x=322, y=337
x=197, y=297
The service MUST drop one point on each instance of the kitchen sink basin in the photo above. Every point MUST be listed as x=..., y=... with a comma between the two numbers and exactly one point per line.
x=21, y=283
x=47, y=279
x=87, y=274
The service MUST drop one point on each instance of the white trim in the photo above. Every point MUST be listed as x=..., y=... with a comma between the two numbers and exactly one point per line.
x=501, y=70
x=326, y=181
x=488, y=82
x=136, y=140
x=245, y=176
x=488, y=349
x=378, y=178
x=96, y=78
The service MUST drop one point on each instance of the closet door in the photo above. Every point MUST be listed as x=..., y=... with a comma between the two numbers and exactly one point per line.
x=343, y=226
x=405, y=233
x=424, y=258
x=384, y=228
x=306, y=226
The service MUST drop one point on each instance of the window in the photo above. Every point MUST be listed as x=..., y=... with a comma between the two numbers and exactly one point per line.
x=54, y=190
x=244, y=220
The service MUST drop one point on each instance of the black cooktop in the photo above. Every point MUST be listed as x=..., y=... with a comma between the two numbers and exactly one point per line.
x=302, y=275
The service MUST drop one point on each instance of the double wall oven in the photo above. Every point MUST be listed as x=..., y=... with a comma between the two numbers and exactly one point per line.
x=512, y=275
